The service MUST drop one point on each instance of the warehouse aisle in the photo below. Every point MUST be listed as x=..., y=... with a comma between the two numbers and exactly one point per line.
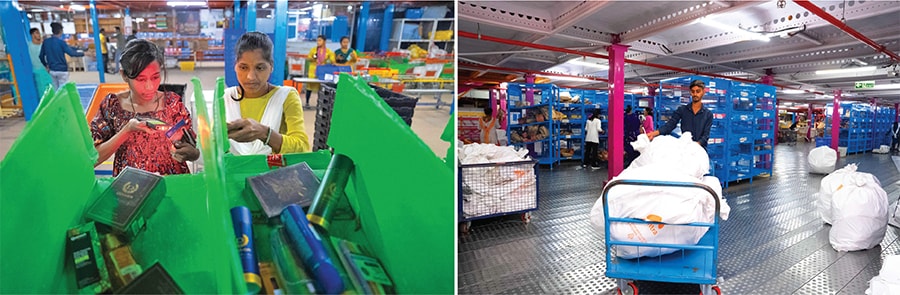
x=773, y=243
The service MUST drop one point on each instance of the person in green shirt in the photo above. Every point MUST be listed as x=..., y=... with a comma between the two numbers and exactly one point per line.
x=345, y=56
x=262, y=118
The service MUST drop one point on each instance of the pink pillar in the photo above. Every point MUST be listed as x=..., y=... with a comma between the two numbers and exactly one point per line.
x=501, y=93
x=493, y=95
x=896, y=112
x=874, y=119
x=616, y=112
x=836, y=121
x=529, y=94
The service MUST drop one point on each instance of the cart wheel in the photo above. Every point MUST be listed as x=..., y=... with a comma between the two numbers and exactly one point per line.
x=715, y=289
x=526, y=217
x=464, y=227
x=634, y=289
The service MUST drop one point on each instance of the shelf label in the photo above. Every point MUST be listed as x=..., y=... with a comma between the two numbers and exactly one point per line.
x=719, y=116
x=565, y=121
x=743, y=139
x=764, y=135
x=766, y=114
x=743, y=117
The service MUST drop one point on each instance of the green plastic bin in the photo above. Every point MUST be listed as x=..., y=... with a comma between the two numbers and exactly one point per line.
x=406, y=219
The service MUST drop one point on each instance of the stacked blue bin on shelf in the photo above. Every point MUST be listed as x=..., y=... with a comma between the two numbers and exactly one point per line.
x=857, y=132
x=741, y=140
x=844, y=115
x=884, y=120
x=544, y=150
x=571, y=129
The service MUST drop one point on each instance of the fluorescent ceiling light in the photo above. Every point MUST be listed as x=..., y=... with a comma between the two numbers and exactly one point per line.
x=186, y=3
x=76, y=7
x=265, y=6
x=792, y=91
x=747, y=34
x=573, y=79
x=588, y=64
x=847, y=70
x=884, y=86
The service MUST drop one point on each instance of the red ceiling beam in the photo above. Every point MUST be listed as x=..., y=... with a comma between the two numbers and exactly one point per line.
x=847, y=29
x=505, y=69
x=471, y=35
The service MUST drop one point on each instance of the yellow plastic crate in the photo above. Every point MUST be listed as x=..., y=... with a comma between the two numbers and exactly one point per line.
x=186, y=66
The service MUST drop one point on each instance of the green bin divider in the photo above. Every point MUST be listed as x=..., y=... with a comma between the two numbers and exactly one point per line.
x=42, y=196
x=404, y=192
x=46, y=179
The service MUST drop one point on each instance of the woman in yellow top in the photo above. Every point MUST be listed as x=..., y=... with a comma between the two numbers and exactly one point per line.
x=319, y=55
x=262, y=118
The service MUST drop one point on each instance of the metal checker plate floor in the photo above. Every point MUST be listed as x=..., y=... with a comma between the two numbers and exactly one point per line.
x=773, y=242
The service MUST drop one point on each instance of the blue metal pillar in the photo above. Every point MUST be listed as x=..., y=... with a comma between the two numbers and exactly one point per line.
x=386, y=27
x=97, y=45
x=250, y=24
x=236, y=18
x=16, y=37
x=280, y=50
x=362, y=26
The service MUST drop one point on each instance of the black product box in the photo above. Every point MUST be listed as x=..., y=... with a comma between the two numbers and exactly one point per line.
x=154, y=280
x=128, y=202
x=294, y=184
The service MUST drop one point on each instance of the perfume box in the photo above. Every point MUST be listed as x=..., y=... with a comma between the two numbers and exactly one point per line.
x=154, y=280
x=127, y=204
x=276, y=189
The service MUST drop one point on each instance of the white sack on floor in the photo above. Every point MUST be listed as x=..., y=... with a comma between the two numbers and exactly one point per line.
x=831, y=183
x=883, y=149
x=859, y=209
x=665, y=204
x=887, y=282
x=479, y=153
x=680, y=154
x=822, y=160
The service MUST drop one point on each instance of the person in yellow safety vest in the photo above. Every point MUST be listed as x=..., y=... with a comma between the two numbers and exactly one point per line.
x=489, y=126
x=319, y=55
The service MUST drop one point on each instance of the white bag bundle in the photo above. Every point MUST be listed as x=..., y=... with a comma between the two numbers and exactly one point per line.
x=887, y=282
x=859, y=208
x=831, y=183
x=662, y=204
x=822, y=160
x=682, y=155
x=895, y=217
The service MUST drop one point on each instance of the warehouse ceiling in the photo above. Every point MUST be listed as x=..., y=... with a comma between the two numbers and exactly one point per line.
x=720, y=37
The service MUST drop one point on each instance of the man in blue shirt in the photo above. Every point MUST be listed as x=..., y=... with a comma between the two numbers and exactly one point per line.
x=53, y=56
x=694, y=117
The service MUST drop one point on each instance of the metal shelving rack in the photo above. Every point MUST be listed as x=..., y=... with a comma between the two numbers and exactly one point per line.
x=398, y=41
x=544, y=150
x=575, y=125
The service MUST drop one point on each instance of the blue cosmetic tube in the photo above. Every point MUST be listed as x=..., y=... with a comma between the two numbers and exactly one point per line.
x=309, y=245
x=243, y=231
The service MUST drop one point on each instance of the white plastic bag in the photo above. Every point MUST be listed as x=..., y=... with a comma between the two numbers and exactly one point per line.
x=831, y=183
x=666, y=204
x=895, y=217
x=822, y=160
x=860, y=212
x=679, y=155
x=887, y=282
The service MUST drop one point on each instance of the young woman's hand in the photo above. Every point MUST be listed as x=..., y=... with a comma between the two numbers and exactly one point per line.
x=185, y=152
x=134, y=125
x=247, y=130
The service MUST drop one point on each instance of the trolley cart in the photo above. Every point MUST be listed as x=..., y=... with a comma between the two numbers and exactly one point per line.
x=691, y=264
x=497, y=189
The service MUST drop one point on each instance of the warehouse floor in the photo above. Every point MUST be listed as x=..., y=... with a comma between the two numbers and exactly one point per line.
x=773, y=243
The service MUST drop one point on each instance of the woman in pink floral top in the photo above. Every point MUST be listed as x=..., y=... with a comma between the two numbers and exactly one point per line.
x=121, y=125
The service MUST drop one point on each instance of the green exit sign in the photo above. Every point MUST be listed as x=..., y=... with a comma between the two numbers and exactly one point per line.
x=864, y=84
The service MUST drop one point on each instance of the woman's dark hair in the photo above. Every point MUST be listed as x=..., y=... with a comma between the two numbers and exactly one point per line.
x=649, y=111
x=139, y=53
x=31, y=32
x=252, y=41
x=322, y=37
x=628, y=109
x=345, y=37
x=596, y=114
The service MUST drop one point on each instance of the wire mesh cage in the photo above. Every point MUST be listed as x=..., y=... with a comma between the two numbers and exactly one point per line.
x=497, y=189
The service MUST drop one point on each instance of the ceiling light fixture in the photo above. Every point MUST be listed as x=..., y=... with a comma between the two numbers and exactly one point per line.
x=572, y=79
x=793, y=91
x=264, y=6
x=844, y=71
x=886, y=86
x=588, y=64
x=737, y=30
x=186, y=3
x=76, y=7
